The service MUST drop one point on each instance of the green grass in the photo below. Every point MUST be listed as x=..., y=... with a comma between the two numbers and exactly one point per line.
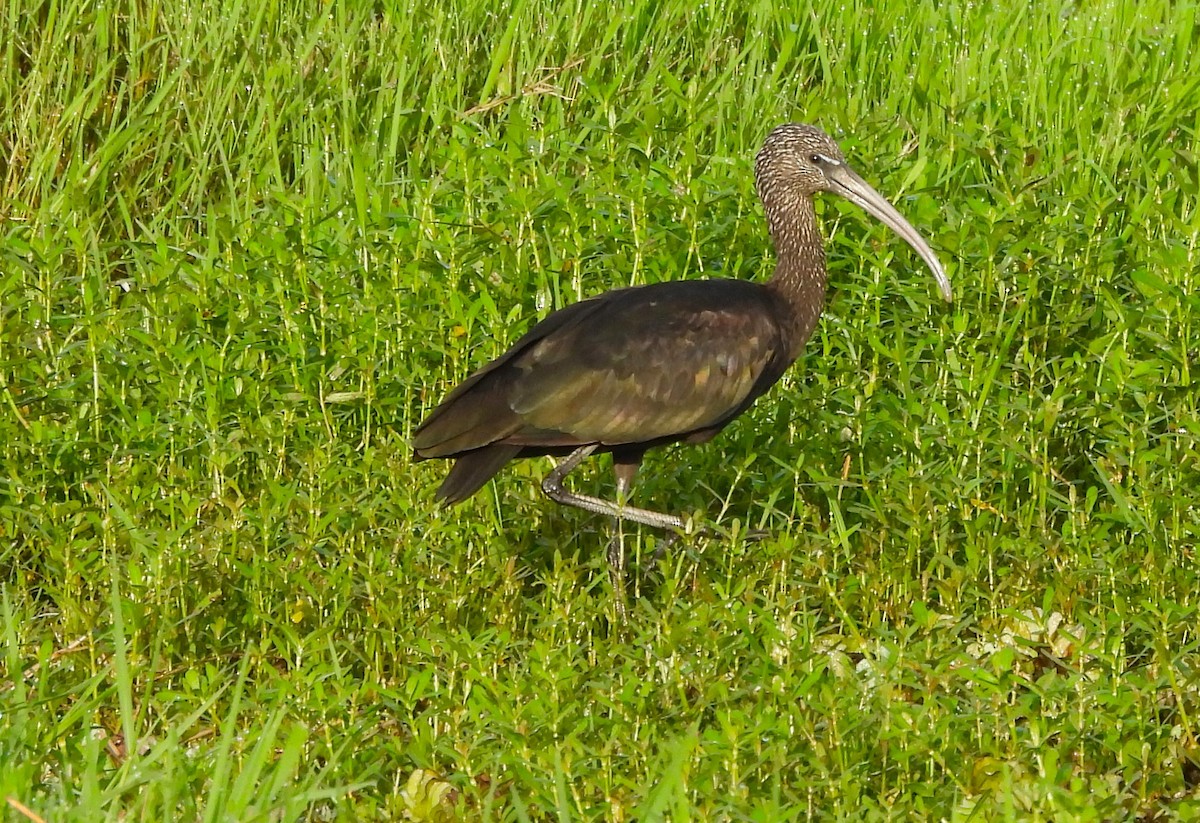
x=245, y=249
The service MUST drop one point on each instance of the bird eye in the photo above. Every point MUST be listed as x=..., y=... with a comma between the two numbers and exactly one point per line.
x=816, y=159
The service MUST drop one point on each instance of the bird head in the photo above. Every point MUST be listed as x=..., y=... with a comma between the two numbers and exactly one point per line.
x=798, y=161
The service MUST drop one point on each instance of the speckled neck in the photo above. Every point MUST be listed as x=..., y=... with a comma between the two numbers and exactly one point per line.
x=799, y=277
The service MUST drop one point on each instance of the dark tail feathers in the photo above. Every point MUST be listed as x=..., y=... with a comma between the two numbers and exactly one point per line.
x=472, y=470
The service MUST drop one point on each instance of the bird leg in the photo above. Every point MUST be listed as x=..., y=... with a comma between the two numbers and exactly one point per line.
x=616, y=547
x=625, y=468
x=552, y=486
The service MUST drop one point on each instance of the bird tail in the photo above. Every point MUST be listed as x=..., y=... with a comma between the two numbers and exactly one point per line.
x=472, y=470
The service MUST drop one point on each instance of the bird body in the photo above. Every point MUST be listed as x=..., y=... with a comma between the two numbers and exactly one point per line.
x=625, y=371
x=640, y=367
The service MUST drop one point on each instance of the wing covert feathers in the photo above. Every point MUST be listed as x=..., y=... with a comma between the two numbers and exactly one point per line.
x=634, y=366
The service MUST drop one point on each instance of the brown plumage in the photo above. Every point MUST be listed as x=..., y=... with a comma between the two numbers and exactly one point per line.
x=640, y=367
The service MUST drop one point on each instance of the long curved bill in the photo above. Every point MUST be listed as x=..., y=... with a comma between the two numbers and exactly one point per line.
x=844, y=181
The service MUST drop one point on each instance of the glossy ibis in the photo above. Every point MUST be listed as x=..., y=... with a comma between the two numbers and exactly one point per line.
x=645, y=366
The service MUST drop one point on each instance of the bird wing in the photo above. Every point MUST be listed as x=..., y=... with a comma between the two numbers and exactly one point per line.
x=477, y=412
x=630, y=366
x=647, y=363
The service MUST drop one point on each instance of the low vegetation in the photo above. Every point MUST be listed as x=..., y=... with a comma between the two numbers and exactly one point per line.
x=244, y=248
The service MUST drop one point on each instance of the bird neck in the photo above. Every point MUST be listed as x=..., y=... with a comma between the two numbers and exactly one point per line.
x=799, y=278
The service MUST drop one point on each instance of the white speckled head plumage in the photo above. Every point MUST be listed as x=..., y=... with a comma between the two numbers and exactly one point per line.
x=790, y=161
x=795, y=162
